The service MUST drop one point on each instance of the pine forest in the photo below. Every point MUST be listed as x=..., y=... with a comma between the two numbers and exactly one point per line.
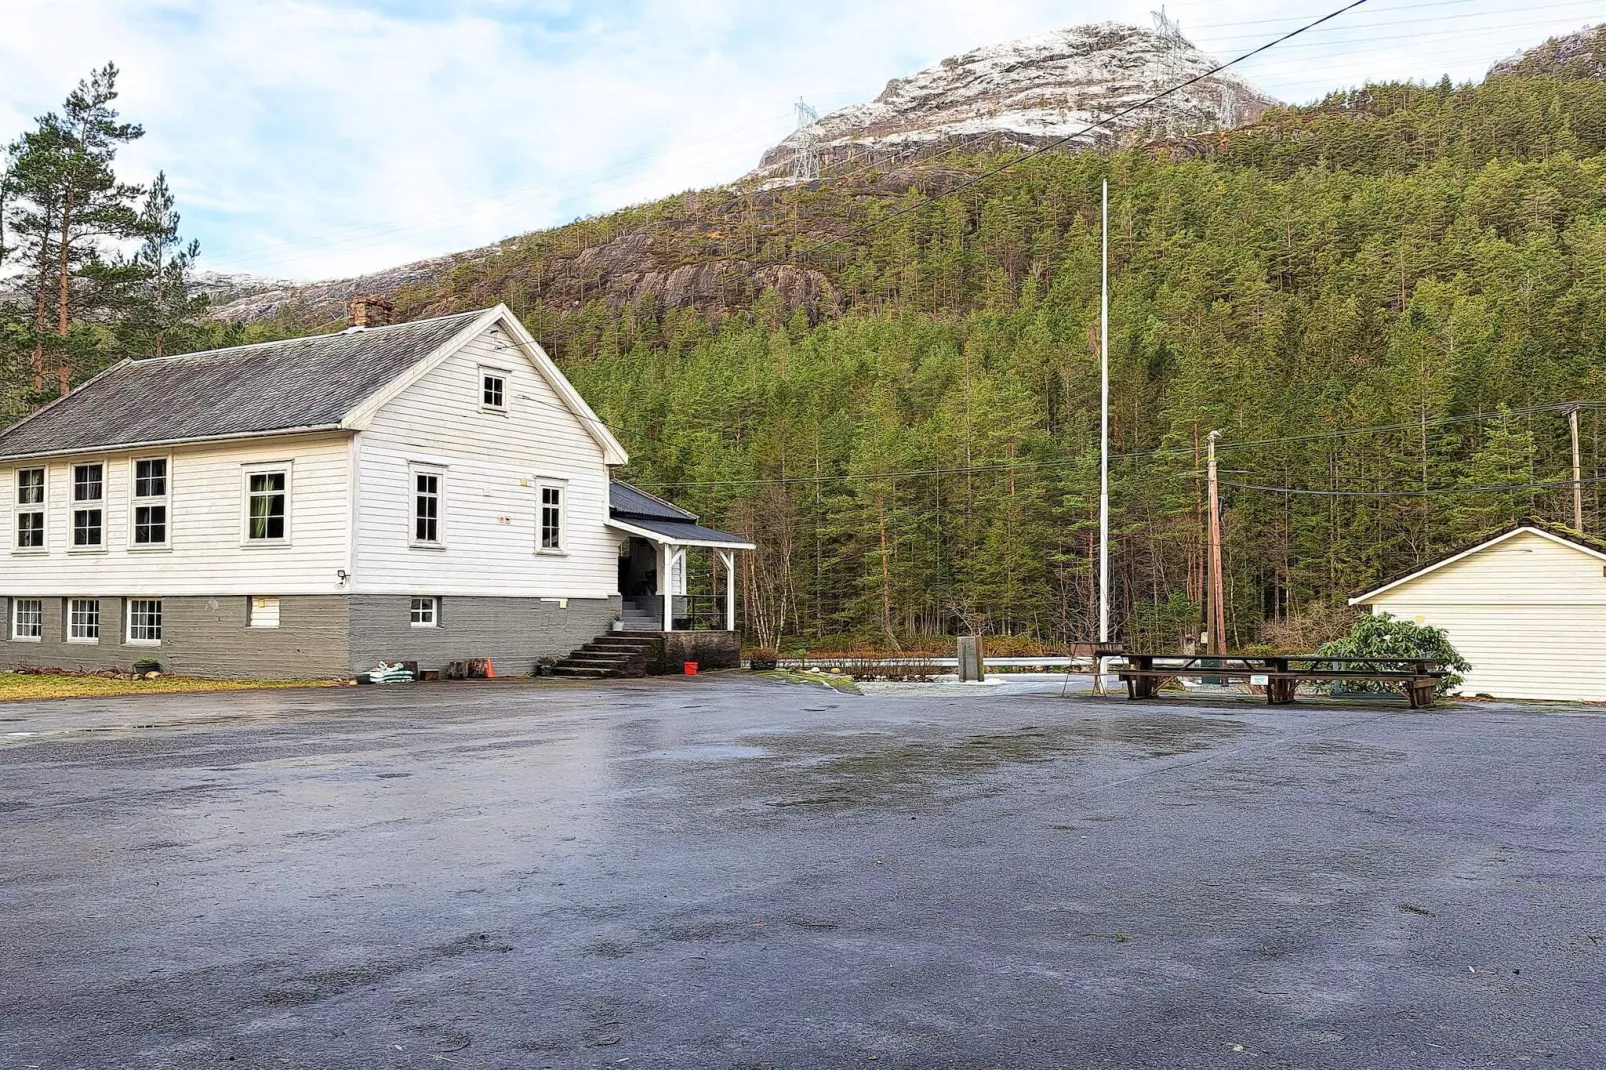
x=1385, y=303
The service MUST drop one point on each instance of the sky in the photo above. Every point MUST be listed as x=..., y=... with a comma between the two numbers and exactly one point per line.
x=311, y=139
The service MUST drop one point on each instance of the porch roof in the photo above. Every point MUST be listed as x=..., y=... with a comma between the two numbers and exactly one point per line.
x=679, y=533
x=651, y=517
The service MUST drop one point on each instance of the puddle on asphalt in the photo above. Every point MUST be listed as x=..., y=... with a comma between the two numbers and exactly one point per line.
x=710, y=753
x=837, y=770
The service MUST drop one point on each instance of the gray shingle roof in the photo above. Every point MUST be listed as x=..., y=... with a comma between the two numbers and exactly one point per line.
x=648, y=512
x=272, y=386
x=625, y=500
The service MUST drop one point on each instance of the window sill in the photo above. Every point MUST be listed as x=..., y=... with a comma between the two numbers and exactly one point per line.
x=149, y=547
x=27, y=639
x=426, y=546
x=263, y=627
x=86, y=549
x=142, y=642
x=552, y=553
x=494, y=410
x=30, y=551
x=84, y=642
x=426, y=627
x=264, y=544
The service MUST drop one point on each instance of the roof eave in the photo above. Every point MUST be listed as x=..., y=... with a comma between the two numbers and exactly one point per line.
x=1460, y=555
x=121, y=447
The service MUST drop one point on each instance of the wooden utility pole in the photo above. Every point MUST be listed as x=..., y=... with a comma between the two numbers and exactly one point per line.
x=1218, y=612
x=1578, y=479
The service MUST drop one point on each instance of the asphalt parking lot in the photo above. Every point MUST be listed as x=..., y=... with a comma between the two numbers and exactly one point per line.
x=723, y=871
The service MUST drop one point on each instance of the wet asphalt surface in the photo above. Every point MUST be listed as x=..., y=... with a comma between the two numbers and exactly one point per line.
x=731, y=872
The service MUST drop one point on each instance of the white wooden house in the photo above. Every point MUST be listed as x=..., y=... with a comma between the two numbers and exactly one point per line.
x=1526, y=607
x=428, y=491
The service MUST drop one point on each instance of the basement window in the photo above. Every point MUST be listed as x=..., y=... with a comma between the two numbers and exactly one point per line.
x=83, y=620
x=425, y=613
x=28, y=619
x=144, y=621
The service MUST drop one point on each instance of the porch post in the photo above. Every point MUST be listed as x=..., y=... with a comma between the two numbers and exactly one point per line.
x=666, y=559
x=728, y=559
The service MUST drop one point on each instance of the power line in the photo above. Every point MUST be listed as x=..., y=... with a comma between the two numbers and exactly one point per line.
x=1395, y=7
x=1427, y=492
x=1586, y=5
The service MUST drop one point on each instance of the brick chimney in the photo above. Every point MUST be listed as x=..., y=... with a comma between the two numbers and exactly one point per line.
x=371, y=310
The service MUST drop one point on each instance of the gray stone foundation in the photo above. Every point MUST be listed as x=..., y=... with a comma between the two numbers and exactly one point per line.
x=710, y=650
x=318, y=637
x=512, y=632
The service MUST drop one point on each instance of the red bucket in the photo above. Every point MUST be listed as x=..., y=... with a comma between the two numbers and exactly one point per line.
x=690, y=667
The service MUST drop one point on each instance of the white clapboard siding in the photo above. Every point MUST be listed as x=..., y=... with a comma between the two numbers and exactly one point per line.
x=206, y=511
x=493, y=463
x=1529, y=613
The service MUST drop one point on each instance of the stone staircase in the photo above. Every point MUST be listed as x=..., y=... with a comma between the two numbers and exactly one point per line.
x=615, y=654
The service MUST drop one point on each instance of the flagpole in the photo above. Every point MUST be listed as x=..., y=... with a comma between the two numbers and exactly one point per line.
x=1104, y=431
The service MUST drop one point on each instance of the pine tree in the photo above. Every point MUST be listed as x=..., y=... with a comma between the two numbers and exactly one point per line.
x=65, y=199
x=149, y=292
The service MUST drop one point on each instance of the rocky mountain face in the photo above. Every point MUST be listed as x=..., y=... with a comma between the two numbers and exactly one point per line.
x=1020, y=93
x=1029, y=92
x=1577, y=55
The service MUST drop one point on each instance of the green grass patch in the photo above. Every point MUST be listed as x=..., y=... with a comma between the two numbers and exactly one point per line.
x=19, y=686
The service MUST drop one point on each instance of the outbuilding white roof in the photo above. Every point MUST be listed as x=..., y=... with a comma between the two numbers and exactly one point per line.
x=1554, y=532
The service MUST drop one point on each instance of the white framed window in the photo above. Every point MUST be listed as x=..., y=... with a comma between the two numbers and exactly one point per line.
x=144, y=621
x=551, y=507
x=425, y=612
x=493, y=389
x=83, y=620
x=428, y=483
x=29, y=512
x=28, y=619
x=262, y=611
x=150, y=503
x=88, y=507
x=266, y=512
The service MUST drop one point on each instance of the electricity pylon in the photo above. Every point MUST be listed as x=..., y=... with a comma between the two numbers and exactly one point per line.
x=806, y=157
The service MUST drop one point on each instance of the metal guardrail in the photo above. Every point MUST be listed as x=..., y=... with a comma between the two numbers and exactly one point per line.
x=948, y=663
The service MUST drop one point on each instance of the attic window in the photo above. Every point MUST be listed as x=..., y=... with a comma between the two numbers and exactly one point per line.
x=493, y=390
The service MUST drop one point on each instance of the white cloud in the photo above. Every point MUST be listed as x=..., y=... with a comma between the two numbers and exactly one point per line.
x=318, y=137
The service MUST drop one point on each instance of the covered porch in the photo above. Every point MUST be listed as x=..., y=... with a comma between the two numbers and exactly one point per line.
x=675, y=575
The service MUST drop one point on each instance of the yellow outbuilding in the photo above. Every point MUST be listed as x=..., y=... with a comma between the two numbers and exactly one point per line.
x=1526, y=607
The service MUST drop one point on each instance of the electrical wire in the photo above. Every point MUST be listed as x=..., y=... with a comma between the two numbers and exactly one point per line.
x=1427, y=492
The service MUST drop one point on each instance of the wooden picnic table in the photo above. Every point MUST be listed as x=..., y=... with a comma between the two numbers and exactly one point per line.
x=1281, y=674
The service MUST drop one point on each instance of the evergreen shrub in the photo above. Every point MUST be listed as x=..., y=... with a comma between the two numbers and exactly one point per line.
x=1381, y=635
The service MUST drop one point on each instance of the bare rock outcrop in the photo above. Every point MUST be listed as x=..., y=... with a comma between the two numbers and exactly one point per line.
x=1576, y=55
x=1030, y=92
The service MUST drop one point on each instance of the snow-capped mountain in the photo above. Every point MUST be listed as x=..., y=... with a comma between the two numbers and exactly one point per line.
x=1031, y=91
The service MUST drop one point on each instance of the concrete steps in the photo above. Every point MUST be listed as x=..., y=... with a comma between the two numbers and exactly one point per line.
x=616, y=654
